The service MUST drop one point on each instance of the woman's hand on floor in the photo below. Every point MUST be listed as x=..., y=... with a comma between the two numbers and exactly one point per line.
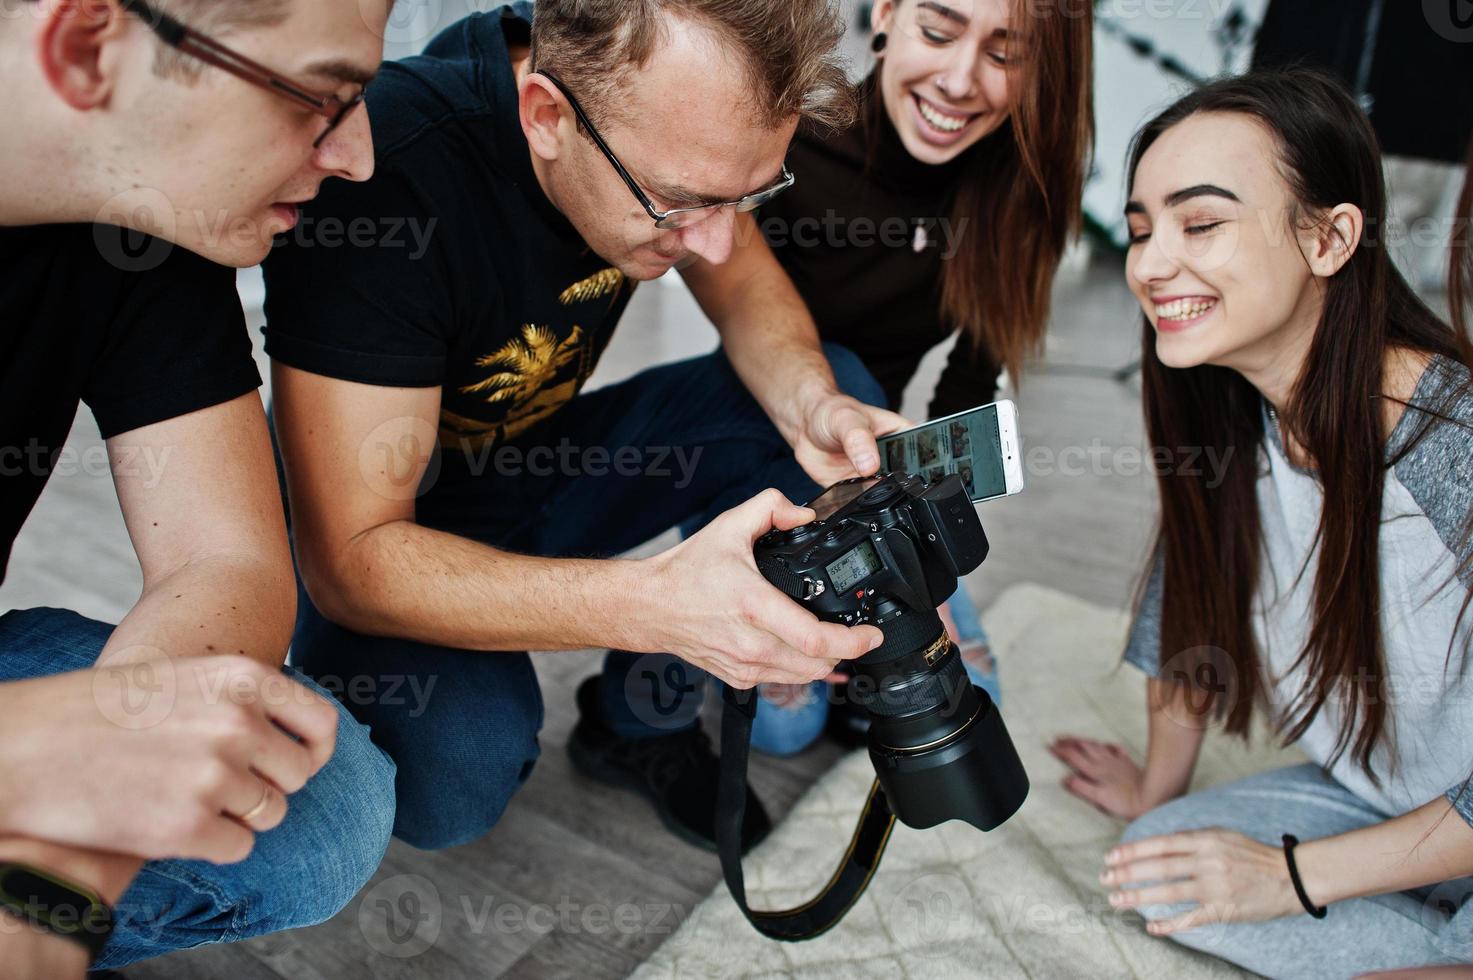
x=1232, y=878
x=1103, y=775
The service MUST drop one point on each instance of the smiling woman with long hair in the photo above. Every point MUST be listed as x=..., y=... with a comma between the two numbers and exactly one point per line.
x=945, y=210
x=1325, y=581
x=942, y=213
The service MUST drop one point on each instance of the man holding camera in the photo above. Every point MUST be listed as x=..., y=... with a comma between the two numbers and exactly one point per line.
x=144, y=764
x=559, y=162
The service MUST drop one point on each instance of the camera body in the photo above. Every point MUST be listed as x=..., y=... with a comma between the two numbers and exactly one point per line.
x=886, y=552
x=878, y=549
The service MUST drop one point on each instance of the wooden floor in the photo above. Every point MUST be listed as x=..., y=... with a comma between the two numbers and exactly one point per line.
x=577, y=879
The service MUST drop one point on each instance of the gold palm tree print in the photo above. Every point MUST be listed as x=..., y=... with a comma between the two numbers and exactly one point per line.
x=599, y=284
x=529, y=372
x=531, y=361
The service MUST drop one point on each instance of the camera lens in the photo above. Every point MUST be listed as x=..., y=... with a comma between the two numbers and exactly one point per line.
x=938, y=744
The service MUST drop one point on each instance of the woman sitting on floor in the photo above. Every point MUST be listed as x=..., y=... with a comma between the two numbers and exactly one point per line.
x=1326, y=580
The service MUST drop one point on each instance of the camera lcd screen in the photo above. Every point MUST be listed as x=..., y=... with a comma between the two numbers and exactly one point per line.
x=836, y=497
x=854, y=567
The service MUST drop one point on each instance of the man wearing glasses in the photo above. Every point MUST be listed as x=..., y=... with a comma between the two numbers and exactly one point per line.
x=141, y=765
x=563, y=162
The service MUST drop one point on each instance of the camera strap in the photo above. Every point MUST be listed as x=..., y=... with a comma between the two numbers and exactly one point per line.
x=850, y=879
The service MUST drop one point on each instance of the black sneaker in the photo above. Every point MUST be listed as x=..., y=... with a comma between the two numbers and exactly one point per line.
x=677, y=772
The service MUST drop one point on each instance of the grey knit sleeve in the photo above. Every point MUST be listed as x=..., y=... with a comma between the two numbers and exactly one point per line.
x=1437, y=469
x=1461, y=797
x=1434, y=461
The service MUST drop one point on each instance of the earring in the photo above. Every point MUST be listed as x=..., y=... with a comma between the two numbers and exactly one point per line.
x=878, y=44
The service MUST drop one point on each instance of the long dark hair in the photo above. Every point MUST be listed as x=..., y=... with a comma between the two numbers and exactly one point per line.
x=1211, y=537
x=1020, y=199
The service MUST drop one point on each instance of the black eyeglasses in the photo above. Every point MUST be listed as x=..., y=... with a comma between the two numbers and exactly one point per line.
x=675, y=217
x=191, y=42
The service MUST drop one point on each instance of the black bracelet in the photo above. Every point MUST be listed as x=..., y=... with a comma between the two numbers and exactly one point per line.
x=56, y=905
x=1318, y=911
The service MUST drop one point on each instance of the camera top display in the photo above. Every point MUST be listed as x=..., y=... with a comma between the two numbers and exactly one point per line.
x=881, y=547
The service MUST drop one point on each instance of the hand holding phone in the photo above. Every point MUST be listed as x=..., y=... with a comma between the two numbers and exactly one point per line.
x=980, y=445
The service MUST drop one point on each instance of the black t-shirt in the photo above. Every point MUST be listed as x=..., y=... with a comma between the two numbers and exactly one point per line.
x=463, y=276
x=846, y=234
x=140, y=330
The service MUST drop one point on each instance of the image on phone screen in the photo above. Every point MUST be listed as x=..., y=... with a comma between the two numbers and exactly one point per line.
x=969, y=445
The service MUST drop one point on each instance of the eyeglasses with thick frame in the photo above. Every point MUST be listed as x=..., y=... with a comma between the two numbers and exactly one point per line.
x=675, y=217
x=189, y=41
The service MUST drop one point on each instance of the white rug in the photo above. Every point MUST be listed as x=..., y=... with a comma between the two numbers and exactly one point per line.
x=1022, y=901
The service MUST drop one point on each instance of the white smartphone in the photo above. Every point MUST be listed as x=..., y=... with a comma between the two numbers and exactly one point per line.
x=980, y=445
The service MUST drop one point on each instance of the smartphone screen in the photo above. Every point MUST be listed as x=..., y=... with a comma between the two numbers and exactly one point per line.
x=969, y=445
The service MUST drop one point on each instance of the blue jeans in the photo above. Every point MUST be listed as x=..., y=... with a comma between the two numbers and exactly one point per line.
x=789, y=727
x=300, y=873
x=703, y=444
x=1429, y=926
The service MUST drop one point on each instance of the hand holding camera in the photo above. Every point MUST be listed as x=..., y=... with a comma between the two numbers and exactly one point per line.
x=722, y=616
x=884, y=552
x=887, y=552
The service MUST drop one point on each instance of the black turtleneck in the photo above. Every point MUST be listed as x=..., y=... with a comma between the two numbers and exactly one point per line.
x=846, y=234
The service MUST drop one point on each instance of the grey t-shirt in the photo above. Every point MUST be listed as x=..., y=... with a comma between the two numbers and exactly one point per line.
x=1424, y=583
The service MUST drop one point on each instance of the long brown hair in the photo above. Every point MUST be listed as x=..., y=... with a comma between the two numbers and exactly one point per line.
x=1210, y=537
x=1020, y=198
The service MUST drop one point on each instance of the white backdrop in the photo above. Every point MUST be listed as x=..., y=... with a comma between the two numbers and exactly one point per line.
x=1131, y=87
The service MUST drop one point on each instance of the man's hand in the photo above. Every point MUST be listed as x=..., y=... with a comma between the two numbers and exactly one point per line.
x=772, y=342
x=30, y=953
x=836, y=438
x=159, y=758
x=724, y=617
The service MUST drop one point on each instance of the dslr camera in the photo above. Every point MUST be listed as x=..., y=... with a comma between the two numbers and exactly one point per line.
x=887, y=552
